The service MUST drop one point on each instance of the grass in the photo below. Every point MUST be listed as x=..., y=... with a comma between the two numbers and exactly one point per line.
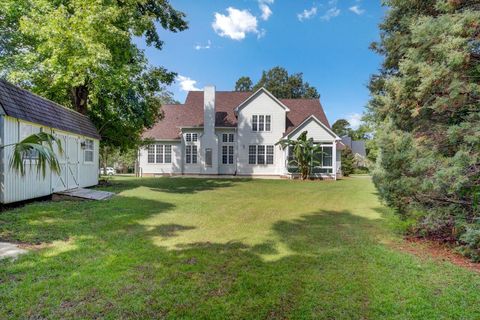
x=218, y=249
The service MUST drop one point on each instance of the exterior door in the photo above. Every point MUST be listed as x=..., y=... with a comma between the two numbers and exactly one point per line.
x=69, y=162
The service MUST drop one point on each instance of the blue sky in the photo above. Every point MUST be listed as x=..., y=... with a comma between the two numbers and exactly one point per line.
x=327, y=40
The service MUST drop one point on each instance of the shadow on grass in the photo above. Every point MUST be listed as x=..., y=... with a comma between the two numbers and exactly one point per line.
x=181, y=185
x=115, y=271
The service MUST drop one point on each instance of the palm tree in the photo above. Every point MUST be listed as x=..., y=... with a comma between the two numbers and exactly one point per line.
x=42, y=145
x=304, y=152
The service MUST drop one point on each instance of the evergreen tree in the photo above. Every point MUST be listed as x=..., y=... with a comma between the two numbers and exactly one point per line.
x=347, y=161
x=425, y=109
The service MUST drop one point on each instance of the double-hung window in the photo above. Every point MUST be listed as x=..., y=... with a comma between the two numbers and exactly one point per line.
x=260, y=154
x=88, y=151
x=191, y=154
x=261, y=122
x=159, y=153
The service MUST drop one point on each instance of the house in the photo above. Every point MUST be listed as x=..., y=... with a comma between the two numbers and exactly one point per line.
x=23, y=113
x=235, y=133
x=358, y=150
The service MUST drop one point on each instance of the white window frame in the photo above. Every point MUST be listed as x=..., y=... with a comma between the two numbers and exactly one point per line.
x=191, y=137
x=87, y=149
x=158, y=153
x=228, y=154
x=228, y=137
x=261, y=154
x=191, y=154
x=259, y=122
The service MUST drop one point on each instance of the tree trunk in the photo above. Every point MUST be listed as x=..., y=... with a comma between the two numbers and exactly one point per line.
x=79, y=97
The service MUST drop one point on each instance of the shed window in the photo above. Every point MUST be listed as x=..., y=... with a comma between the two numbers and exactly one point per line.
x=88, y=151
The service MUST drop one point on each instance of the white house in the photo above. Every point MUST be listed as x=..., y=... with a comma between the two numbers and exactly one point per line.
x=235, y=133
x=23, y=113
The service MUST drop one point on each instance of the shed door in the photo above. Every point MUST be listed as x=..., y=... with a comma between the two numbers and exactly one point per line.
x=69, y=162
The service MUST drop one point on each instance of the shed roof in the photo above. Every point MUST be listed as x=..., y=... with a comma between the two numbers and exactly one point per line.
x=23, y=104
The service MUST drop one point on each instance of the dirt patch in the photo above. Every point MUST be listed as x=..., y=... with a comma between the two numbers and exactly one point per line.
x=442, y=252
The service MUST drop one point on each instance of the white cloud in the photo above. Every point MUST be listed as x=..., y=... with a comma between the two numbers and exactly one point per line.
x=307, y=14
x=355, y=120
x=187, y=84
x=202, y=47
x=236, y=24
x=331, y=13
x=266, y=11
x=357, y=10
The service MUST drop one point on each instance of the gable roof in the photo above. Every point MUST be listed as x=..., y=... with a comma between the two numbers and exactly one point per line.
x=190, y=114
x=314, y=118
x=255, y=95
x=22, y=104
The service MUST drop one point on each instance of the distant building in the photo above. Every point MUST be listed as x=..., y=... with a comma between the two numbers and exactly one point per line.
x=358, y=149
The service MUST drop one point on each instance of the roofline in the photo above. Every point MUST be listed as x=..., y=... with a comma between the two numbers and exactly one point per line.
x=337, y=138
x=251, y=97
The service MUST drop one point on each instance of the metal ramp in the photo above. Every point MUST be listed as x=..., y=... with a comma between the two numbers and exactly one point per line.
x=82, y=193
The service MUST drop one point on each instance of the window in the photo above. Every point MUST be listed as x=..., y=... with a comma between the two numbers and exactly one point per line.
x=270, y=154
x=252, y=154
x=88, y=151
x=191, y=137
x=208, y=157
x=261, y=123
x=228, y=137
x=260, y=154
x=191, y=154
x=151, y=153
x=168, y=153
x=227, y=154
x=159, y=153
x=327, y=156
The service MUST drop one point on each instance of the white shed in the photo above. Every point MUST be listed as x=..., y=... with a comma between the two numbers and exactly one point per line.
x=23, y=113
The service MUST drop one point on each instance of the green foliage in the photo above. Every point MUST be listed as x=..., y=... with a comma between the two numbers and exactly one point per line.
x=347, y=162
x=426, y=113
x=42, y=146
x=244, y=84
x=224, y=249
x=305, y=152
x=82, y=54
x=281, y=84
x=342, y=128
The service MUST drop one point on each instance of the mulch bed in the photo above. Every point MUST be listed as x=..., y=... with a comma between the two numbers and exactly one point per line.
x=438, y=251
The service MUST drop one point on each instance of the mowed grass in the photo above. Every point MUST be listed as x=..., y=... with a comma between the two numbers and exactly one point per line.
x=224, y=249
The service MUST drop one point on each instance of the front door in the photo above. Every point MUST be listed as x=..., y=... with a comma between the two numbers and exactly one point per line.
x=68, y=162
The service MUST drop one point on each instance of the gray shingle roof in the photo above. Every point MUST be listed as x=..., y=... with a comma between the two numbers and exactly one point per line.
x=22, y=104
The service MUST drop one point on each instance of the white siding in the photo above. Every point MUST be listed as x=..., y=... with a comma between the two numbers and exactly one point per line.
x=315, y=131
x=32, y=185
x=261, y=104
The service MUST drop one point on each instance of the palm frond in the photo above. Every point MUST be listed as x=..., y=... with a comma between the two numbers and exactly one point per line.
x=42, y=146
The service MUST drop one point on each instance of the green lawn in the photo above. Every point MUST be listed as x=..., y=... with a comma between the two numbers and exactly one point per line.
x=218, y=249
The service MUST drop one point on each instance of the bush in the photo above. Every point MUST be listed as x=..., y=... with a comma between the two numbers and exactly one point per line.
x=347, y=162
x=470, y=241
